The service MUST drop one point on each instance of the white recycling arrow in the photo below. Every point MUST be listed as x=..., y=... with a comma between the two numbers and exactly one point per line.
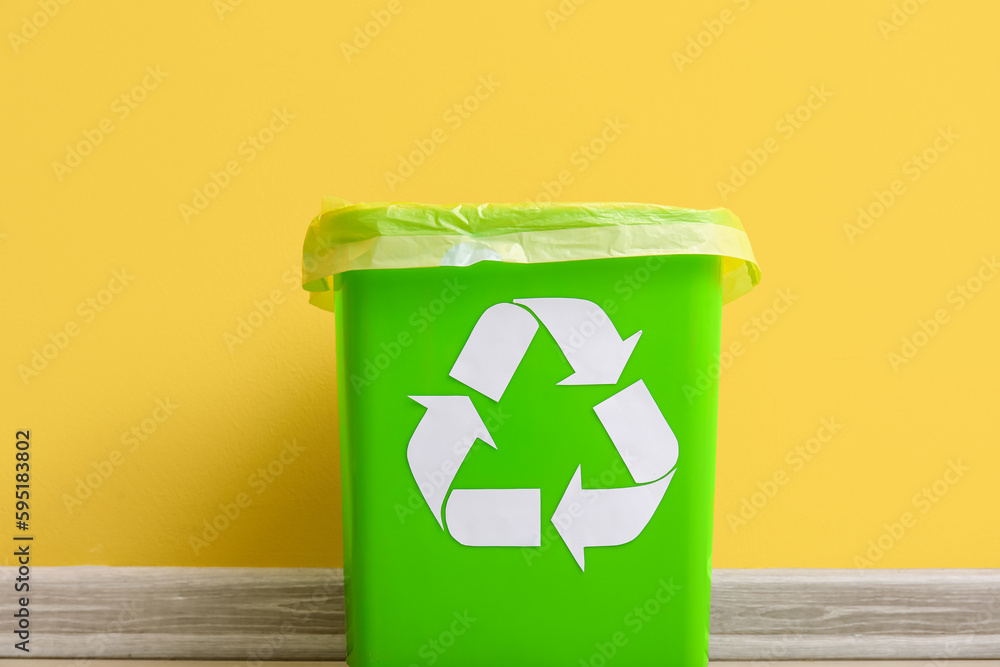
x=440, y=443
x=639, y=432
x=512, y=517
x=586, y=336
x=494, y=349
x=605, y=517
x=495, y=517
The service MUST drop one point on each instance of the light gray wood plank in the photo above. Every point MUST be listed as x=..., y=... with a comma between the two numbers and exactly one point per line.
x=298, y=614
x=855, y=614
x=162, y=612
x=769, y=648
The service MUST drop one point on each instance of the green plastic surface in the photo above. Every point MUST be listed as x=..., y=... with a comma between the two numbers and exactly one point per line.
x=414, y=595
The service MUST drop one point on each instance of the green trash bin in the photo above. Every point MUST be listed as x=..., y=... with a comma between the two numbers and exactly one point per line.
x=527, y=440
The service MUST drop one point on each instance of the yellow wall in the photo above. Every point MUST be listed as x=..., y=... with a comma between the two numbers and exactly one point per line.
x=171, y=285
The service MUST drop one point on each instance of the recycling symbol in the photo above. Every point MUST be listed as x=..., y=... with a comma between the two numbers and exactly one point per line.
x=511, y=517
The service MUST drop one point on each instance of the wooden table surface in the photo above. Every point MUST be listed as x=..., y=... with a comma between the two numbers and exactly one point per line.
x=153, y=613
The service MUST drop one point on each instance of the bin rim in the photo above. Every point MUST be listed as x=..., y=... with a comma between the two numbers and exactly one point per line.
x=348, y=237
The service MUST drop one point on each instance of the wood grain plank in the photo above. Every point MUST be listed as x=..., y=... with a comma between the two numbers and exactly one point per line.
x=205, y=613
x=855, y=614
x=255, y=614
